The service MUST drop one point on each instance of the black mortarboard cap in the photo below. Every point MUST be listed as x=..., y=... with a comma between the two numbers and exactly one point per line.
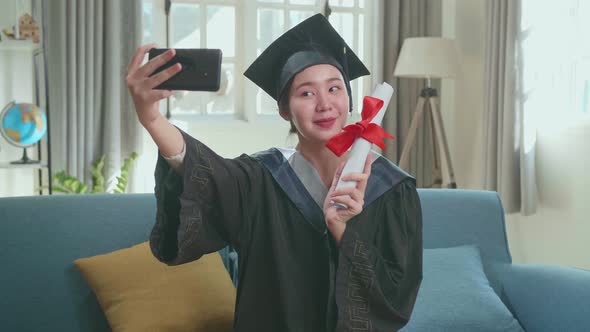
x=311, y=42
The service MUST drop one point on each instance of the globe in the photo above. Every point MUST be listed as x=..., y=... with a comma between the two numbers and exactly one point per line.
x=23, y=125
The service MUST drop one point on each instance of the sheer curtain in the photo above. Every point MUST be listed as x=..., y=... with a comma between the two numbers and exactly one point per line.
x=554, y=76
x=556, y=62
x=508, y=153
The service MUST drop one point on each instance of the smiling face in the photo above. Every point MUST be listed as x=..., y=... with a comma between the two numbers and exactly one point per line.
x=318, y=103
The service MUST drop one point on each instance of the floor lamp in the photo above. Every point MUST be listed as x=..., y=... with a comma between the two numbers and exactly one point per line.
x=428, y=58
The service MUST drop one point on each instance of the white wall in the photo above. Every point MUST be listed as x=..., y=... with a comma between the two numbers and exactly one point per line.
x=462, y=98
x=228, y=139
x=18, y=87
x=16, y=72
x=558, y=232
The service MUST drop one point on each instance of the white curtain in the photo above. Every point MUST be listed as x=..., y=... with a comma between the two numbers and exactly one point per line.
x=509, y=147
x=89, y=45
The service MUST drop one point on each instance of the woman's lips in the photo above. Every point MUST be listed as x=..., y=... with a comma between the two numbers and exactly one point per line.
x=325, y=123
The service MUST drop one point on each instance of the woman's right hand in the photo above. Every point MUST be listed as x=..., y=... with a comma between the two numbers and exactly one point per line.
x=141, y=85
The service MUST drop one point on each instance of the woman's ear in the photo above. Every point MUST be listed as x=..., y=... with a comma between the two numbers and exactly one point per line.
x=285, y=115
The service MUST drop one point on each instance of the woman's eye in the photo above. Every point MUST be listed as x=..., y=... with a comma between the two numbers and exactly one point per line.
x=334, y=88
x=306, y=94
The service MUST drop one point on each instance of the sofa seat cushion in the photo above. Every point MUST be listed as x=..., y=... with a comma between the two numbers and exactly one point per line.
x=455, y=295
x=139, y=293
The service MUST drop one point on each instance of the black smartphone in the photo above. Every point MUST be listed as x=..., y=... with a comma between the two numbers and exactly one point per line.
x=201, y=69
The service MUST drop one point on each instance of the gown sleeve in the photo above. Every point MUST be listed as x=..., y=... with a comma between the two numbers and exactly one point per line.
x=203, y=205
x=380, y=267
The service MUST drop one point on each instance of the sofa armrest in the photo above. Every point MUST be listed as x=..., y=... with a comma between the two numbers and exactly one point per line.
x=549, y=298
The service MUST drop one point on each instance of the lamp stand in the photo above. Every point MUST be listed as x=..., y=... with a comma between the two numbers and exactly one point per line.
x=442, y=170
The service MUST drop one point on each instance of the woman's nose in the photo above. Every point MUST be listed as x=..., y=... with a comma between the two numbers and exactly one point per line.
x=323, y=102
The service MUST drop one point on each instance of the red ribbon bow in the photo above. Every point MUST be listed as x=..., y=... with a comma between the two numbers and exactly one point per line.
x=371, y=132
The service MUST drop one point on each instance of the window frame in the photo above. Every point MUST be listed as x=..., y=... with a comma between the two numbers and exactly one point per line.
x=246, y=16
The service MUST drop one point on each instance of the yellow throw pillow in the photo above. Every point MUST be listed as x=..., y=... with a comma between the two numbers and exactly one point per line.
x=138, y=293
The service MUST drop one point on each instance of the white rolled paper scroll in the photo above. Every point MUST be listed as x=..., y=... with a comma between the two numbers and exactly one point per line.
x=361, y=147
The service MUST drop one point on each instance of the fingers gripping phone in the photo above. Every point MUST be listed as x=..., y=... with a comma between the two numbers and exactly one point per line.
x=201, y=69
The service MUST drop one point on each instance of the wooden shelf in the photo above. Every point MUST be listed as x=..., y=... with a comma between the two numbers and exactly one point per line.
x=8, y=165
x=19, y=46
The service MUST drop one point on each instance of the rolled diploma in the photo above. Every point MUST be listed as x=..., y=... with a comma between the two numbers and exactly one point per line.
x=361, y=147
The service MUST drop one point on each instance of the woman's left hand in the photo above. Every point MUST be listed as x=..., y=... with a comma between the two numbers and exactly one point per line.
x=352, y=197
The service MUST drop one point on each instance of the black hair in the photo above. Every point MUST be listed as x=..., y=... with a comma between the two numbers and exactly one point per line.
x=283, y=104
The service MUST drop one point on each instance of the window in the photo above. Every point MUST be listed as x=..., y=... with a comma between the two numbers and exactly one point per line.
x=242, y=30
x=556, y=60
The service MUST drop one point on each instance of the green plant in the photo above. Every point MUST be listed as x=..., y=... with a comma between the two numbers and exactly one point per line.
x=67, y=184
x=97, y=177
x=122, y=180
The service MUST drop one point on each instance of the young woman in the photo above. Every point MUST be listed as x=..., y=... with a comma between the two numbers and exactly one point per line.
x=304, y=265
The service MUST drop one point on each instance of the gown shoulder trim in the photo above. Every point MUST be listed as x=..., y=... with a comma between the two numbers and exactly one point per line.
x=278, y=166
x=385, y=175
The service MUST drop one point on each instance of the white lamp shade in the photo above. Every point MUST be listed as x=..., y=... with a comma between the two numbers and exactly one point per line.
x=428, y=57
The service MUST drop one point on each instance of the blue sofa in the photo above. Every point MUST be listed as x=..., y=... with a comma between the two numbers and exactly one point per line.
x=41, y=290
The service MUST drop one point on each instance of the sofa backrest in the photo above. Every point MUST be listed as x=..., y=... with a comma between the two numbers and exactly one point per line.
x=454, y=217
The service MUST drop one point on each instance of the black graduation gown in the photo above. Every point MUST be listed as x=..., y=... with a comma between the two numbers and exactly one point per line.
x=292, y=276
